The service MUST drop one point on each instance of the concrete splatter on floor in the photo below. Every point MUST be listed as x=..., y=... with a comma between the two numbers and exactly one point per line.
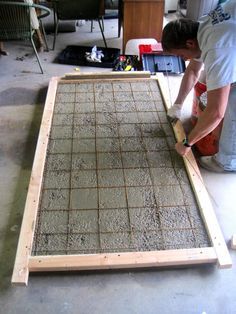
x=112, y=181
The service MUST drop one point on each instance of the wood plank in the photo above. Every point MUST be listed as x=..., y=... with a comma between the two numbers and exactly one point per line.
x=123, y=260
x=148, y=13
x=21, y=270
x=202, y=196
x=107, y=75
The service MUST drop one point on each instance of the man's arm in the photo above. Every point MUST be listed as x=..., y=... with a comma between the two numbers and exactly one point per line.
x=217, y=101
x=190, y=78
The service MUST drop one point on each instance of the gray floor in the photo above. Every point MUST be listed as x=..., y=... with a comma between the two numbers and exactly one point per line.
x=187, y=290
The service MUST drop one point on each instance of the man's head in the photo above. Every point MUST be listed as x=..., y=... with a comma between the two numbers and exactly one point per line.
x=179, y=37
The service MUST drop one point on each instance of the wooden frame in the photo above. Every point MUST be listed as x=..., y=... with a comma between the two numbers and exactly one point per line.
x=25, y=263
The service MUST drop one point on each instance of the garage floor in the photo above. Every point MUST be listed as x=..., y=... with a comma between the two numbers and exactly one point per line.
x=192, y=290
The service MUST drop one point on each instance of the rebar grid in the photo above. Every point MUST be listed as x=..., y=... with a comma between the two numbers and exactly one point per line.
x=112, y=180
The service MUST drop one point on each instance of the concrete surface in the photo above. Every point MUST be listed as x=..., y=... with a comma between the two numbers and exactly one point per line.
x=145, y=226
x=192, y=290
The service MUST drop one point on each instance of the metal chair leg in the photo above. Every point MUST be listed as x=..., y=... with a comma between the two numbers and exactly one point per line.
x=100, y=25
x=55, y=36
x=35, y=51
x=44, y=35
x=103, y=24
x=56, y=22
x=120, y=16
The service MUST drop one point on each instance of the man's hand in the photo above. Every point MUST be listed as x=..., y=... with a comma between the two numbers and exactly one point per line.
x=181, y=149
x=174, y=112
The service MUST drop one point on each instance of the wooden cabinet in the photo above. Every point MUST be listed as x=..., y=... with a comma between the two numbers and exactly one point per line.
x=142, y=19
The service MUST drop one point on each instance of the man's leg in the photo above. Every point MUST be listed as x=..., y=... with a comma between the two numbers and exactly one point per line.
x=2, y=51
x=41, y=42
x=35, y=25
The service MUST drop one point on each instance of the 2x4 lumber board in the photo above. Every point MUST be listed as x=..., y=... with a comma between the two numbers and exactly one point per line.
x=202, y=196
x=96, y=80
x=122, y=260
x=233, y=242
x=21, y=271
x=108, y=75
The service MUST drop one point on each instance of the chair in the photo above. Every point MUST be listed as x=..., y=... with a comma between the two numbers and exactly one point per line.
x=15, y=22
x=78, y=10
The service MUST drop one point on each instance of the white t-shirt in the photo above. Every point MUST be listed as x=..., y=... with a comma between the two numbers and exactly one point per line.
x=217, y=41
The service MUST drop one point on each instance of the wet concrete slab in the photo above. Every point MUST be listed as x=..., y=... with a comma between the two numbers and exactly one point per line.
x=112, y=181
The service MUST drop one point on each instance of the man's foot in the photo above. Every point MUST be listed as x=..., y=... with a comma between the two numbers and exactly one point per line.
x=41, y=48
x=3, y=52
x=209, y=163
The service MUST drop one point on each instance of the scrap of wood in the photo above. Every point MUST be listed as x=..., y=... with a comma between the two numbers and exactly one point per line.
x=233, y=242
x=123, y=260
x=108, y=75
x=26, y=263
x=21, y=272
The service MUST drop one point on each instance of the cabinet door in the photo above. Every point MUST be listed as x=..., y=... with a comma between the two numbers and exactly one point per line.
x=142, y=19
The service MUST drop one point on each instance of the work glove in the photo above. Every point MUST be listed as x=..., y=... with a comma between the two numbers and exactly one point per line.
x=174, y=112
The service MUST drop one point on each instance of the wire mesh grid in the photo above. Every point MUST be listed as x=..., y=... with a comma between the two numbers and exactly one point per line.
x=112, y=180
